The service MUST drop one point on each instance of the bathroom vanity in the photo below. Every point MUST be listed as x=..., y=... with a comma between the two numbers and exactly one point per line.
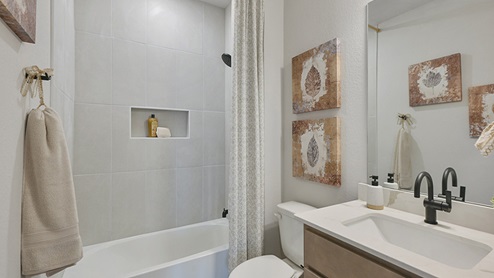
x=350, y=240
x=326, y=256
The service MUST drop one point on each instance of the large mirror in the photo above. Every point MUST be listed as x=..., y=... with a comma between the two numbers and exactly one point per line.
x=407, y=32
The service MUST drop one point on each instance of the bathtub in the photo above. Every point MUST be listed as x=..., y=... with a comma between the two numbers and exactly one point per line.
x=198, y=250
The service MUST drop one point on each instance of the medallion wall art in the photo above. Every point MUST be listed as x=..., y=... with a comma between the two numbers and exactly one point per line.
x=316, y=78
x=20, y=16
x=481, y=108
x=316, y=150
x=435, y=81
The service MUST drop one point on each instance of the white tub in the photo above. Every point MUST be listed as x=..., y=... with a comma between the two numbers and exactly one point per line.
x=198, y=250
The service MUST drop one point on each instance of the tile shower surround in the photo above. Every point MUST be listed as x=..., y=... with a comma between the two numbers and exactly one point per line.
x=157, y=53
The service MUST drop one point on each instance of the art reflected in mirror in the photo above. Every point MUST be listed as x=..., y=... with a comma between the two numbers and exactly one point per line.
x=435, y=81
x=481, y=108
x=316, y=150
x=316, y=78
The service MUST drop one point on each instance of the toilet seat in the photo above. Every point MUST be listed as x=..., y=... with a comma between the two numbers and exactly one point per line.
x=263, y=266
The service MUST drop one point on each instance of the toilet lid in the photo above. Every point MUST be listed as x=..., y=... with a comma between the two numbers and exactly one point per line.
x=264, y=266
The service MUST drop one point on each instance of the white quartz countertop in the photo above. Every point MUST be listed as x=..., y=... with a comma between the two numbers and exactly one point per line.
x=330, y=220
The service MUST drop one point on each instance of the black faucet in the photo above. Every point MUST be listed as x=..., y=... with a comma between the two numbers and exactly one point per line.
x=431, y=205
x=454, y=181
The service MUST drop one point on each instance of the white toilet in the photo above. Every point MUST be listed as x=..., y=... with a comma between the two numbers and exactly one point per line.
x=292, y=243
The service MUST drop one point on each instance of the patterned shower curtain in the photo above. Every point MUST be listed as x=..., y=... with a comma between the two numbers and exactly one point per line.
x=246, y=192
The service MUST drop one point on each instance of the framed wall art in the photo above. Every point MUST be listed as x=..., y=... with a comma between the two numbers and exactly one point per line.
x=481, y=108
x=316, y=78
x=20, y=16
x=435, y=81
x=316, y=150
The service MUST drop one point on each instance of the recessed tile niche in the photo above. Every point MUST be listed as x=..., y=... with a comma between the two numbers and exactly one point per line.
x=175, y=119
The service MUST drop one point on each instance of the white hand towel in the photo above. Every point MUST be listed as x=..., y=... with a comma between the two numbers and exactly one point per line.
x=403, y=159
x=163, y=132
x=50, y=231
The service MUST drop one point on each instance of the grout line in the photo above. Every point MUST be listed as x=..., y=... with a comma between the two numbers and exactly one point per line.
x=151, y=170
x=138, y=42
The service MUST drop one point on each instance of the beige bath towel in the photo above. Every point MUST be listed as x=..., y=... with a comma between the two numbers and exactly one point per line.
x=403, y=160
x=50, y=232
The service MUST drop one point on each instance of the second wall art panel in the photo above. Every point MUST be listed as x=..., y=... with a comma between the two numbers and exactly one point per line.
x=316, y=150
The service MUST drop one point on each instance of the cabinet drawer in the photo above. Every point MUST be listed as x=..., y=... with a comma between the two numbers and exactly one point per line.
x=310, y=274
x=326, y=256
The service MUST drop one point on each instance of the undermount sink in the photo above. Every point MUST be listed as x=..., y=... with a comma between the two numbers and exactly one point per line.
x=446, y=248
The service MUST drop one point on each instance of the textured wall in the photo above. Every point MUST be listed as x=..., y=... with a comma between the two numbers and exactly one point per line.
x=157, y=53
x=273, y=64
x=308, y=24
x=14, y=56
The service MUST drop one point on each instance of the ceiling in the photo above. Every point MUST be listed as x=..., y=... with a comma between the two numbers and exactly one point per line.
x=382, y=10
x=218, y=3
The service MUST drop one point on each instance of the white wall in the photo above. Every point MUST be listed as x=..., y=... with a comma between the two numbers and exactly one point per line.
x=441, y=137
x=308, y=24
x=63, y=62
x=154, y=53
x=14, y=56
x=273, y=66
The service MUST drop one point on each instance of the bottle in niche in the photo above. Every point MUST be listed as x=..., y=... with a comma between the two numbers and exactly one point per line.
x=152, y=126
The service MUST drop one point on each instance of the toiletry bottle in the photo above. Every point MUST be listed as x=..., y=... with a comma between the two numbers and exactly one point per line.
x=375, y=195
x=391, y=182
x=152, y=126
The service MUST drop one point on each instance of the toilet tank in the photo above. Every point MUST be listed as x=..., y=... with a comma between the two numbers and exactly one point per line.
x=292, y=230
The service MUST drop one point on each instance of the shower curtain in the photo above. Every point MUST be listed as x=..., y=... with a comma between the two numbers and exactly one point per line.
x=246, y=192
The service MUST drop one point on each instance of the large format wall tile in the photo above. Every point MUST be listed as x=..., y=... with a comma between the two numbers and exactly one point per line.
x=64, y=106
x=196, y=124
x=129, y=20
x=93, y=69
x=214, y=84
x=214, y=31
x=213, y=199
x=214, y=138
x=161, y=77
x=93, y=16
x=128, y=204
x=93, y=197
x=92, y=139
x=189, y=152
x=127, y=154
x=182, y=20
x=161, y=200
x=160, y=154
x=189, y=81
x=189, y=195
x=129, y=73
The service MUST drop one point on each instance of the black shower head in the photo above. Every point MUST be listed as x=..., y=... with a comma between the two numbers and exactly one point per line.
x=227, y=59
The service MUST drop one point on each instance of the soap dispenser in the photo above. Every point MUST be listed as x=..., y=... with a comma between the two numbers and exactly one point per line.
x=375, y=195
x=391, y=182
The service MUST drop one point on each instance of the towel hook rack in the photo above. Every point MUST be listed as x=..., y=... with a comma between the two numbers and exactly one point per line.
x=405, y=118
x=33, y=77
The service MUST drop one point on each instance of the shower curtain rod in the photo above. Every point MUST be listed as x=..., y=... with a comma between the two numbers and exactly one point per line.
x=374, y=28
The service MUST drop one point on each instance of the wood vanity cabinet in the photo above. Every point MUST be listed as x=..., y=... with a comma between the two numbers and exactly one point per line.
x=325, y=256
